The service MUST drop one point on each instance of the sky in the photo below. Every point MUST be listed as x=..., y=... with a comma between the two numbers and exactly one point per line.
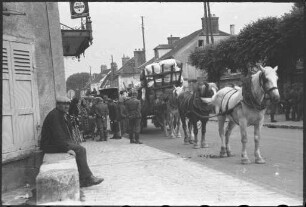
x=117, y=26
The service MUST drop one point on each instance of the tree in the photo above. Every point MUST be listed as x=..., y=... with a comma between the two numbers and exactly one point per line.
x=77, y=81
x=257, y=42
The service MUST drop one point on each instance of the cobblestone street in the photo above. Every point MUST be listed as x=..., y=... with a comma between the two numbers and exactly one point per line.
x=142, y=175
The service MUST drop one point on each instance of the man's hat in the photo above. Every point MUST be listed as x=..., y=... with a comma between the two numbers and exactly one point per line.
x=62, y=99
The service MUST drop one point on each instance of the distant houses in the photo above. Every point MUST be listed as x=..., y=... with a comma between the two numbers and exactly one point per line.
x=177, y=48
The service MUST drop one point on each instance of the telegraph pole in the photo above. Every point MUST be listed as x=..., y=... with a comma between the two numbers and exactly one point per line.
x=209, y=19
x=143, y=38
x=206, y=20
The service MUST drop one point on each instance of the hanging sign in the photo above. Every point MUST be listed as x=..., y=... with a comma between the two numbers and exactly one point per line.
x=79, y=9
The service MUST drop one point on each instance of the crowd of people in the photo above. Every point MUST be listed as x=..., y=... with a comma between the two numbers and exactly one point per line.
x=97, y=117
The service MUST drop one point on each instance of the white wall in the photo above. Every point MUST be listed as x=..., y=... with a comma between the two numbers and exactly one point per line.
x=128, y=80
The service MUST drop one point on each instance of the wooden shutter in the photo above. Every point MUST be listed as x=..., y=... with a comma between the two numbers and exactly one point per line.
x=19, y=116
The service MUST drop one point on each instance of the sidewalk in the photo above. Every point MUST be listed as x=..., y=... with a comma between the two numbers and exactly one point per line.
x=281, y=122
x=141, y=175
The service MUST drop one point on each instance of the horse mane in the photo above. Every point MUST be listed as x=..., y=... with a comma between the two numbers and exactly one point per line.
x=252, y=92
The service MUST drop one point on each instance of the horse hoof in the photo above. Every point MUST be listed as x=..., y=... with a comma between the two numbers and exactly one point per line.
x=186, y=143
x=229, y=154
x=260, y=161
x=245, y=161
x=178, y=136
x=196, y=146
x=222, y=154
x=204, y=145
x=191, y=142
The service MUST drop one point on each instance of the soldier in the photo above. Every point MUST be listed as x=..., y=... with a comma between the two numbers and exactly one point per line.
x=285, y=101
x=133, y=109
x=293, y=100
x=101, y=111
x=122, y=115
x=300, y=104
x=114, y=117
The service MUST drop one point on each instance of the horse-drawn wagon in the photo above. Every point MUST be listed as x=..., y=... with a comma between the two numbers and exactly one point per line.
x=157, y=82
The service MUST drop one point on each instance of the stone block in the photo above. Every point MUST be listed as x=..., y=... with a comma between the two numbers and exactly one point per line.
x=58, y=179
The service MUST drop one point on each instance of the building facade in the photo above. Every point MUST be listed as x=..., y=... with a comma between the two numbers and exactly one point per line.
x=33, y=75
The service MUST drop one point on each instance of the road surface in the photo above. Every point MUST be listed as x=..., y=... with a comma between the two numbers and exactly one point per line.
x=281, y=148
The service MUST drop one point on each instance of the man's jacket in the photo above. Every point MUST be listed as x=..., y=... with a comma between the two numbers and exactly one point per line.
x=101, y=110
x=56, y=133
x=133, y=108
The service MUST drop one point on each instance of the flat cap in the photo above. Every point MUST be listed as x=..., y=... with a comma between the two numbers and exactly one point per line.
x=62, y=99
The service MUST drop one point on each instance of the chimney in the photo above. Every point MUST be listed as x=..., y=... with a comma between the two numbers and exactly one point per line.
x=125, y=59
x=139, y=56
x=172, y=40
x=103, y=67
x=232, y=29
x=214, y=24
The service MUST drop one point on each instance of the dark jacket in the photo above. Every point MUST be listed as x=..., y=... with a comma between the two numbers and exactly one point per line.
x=101, y=109
x=113, y=111
x=133, y=108
x=122, y=111
x=56, y=133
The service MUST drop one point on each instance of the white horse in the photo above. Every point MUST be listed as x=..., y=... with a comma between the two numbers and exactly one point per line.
x=244, y=107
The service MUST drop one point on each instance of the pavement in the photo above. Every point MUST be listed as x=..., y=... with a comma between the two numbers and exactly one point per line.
x=141, y=175
x=280, y=122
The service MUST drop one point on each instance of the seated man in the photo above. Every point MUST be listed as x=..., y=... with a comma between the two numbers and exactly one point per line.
x=56, y=138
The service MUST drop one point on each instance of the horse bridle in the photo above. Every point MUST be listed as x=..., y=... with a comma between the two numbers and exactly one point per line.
x=264, y=80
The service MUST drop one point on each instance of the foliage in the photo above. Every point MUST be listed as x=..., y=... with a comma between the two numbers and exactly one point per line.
x=77, y=81
x=257, y=41
x=291, y=27
x=273, y=41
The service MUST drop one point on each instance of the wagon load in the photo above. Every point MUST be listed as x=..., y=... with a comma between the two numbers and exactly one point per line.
x=164, y=73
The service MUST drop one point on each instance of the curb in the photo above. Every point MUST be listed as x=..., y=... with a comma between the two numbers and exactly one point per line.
x=274, y=125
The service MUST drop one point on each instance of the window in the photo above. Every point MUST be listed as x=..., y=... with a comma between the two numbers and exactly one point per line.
x=200, y=43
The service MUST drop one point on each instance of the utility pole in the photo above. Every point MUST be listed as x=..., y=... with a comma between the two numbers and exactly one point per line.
x=143, y=39
x=209, y=15
x=206, y=20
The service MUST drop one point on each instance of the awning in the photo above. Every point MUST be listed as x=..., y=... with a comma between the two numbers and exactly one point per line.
x=75, y=42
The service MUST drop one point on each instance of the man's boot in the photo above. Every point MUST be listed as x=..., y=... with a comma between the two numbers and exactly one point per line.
x=137, y=138
x=131, y=138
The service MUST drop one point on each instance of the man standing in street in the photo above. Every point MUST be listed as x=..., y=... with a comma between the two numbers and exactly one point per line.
x=56, y=138
x=101, y=111
x=114, y=118
x=133, y=108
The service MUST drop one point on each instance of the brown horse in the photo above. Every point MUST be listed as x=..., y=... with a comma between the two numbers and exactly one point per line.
x=192, y=107
x=244, y=107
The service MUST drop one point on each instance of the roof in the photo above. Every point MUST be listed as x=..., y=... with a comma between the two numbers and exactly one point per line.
x=98, y=78
x=128, y=68
x=147, y=63
x=179, y=44
x=105, y=79
x=164, y=46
